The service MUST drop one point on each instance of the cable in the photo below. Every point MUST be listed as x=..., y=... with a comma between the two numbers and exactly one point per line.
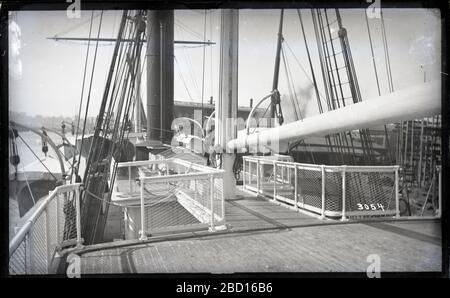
x=90, y=88
x=290, y=83
x=203, y=66
x=81, y=97
x=182, y=79
x=386, y=53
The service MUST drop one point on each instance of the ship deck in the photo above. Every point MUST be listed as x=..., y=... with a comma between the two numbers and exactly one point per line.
x=265, y=237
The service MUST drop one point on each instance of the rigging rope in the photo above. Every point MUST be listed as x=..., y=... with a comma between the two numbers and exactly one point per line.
x=378, y=85
x=89, y=92
x=37, y=157
x=292, y=94
x=310, y=63
x=386, y=53
x=180, y=73
x=76, y=168
x=203, y=65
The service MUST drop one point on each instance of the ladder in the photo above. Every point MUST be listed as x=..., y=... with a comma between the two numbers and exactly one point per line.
x=341, y=85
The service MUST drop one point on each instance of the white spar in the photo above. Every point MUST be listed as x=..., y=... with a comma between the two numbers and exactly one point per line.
x=407, y=104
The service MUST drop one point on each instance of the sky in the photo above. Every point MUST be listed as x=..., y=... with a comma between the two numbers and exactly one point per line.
x=46, y=76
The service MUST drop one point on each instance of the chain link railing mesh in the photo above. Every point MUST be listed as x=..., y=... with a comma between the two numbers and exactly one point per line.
x=266, y=178
x=67, y=216
x=53, y=226
x=219, y=212
x=309, y=188
x=333, y=191
x=284, y=183
x=251, y=178
x=181, y=203
x=38, y=246
x=19, y=261
x=369, y=192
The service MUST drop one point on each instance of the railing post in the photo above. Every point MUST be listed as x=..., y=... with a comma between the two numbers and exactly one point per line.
x=243, y=172
x=343, y=218
x=47, y=236
x=57, y=222
x=143, y=231
x=78, y=216
x=322, y=169
x=223, y=202
x=397, y=202
x=274, y=180
x=250, y=173
x=129, y=180
x=258, y=173
x=295, y=187
x=167, y=168
x=211, y=194
x=439, y=192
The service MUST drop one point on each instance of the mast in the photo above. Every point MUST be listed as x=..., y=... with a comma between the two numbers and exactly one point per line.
x=275, y=99
x=227, y=104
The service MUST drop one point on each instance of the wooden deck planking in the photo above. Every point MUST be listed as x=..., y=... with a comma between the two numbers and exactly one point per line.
x=265, y=237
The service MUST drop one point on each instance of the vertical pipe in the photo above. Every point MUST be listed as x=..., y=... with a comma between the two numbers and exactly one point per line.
x=413, y=123
x=143, y=231
x=295, y=186
x=275, y=180
x=419, y=168
x=397, y=205
x=47, y=236
x=223, y=203
x=249, y=172
x=439, y=192
x=343, y=194
x=211, y=183
x=78, y=216
x=153, y=74
x=137, y=105
x=58, y=230
x=258, y=182
x=162, y=79
x=322, y=168
x=129, y=180
x=244, y=171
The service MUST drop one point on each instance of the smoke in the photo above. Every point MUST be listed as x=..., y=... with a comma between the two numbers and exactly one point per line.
x=15, y=64
x=303, y=103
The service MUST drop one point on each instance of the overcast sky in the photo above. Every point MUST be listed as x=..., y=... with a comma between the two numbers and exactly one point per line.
x=46, y=76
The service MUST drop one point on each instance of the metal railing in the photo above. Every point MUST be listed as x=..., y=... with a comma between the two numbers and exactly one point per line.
x=330, y=191
x=52, y=226
x=172, y=195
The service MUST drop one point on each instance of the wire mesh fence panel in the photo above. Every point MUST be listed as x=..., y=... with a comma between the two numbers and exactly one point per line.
x=285, y=183
x=38, y=247
x=52, y=232
x=309, y=188
x=252, y=170
x=333, y=192
x=218, y=204
x=266, y=178
x=19, y=260
x=370, y=194
x=33, y=249
x=67, y=217
x=184, y=202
